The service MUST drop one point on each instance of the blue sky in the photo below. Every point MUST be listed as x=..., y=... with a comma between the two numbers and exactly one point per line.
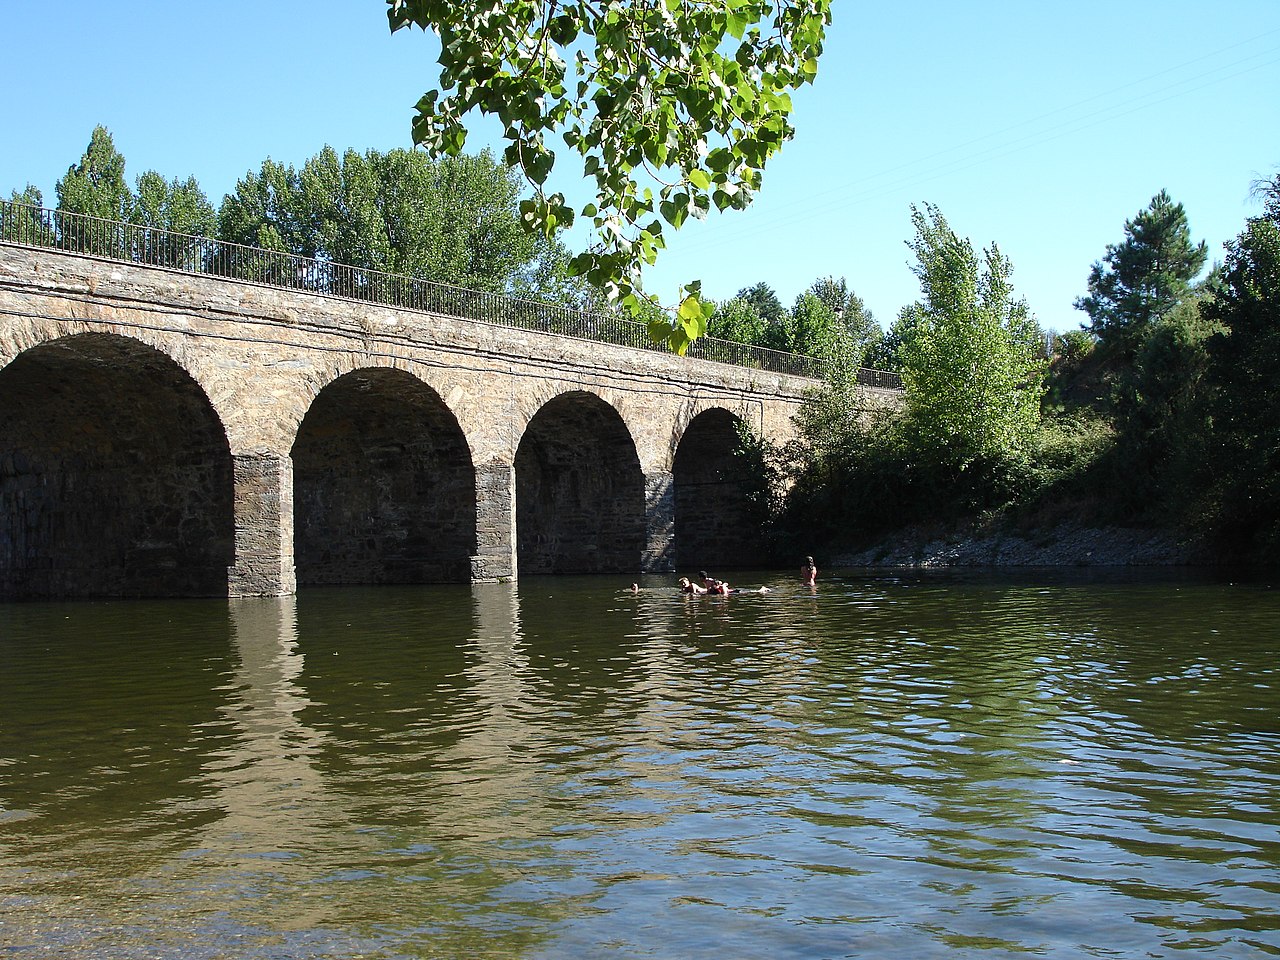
x=1039, y=126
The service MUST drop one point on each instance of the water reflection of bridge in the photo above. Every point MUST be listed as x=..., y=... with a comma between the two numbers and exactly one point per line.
x=420, y=752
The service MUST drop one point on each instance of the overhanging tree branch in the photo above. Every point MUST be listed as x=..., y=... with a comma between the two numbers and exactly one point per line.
x=650, y=92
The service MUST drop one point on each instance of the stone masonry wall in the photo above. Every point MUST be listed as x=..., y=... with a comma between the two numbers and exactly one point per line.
x=262, y=355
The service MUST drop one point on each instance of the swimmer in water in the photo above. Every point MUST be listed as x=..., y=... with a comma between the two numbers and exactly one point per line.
x=717, y=587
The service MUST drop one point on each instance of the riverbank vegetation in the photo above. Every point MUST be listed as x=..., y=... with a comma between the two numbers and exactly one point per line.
x=1164, y=412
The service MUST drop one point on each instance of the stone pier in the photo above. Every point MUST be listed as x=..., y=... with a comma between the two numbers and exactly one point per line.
x=264, y=527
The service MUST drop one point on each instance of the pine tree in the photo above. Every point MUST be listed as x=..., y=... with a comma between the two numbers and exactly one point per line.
x=1142, y=278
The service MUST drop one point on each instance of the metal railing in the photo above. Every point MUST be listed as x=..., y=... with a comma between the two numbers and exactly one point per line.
x=31, y=226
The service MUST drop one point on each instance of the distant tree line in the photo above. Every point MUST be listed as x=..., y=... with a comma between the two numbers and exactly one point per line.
x=828, y=321
x=451, y=221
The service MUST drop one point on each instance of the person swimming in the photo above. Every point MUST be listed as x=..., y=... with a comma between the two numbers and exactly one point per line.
x=714, y=586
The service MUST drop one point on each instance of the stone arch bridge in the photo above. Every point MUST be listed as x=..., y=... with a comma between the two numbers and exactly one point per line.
x=169, y=433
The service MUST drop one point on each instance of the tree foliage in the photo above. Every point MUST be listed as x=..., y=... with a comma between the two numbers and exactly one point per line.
x=177, y=209
x=96, y=186
x=1244, y=384
x=828, y=320
x=967, y=436
x=885, y=353
x=548, y=277
x=177, y=205
x=265, y=211
x=764, y=300
x=859, y=326
x=671, y=107
x=21, y=225
x=29, y=195
x=814, y=328
x=1161, y=420
x=1144, y=276
x=970, y=365
x=452, y=220
x=1172, y=422
x=738, y=320
x=818, y=329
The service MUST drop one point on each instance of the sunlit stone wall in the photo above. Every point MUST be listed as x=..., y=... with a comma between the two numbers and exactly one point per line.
x=251, y=437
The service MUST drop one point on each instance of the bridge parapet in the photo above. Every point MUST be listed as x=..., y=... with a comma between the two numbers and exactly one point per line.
x=131, y=243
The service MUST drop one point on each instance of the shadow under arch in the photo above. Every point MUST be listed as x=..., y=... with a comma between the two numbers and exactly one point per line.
x=716, y=525
x=579, y=490
x=115, y=475
x=384, y=486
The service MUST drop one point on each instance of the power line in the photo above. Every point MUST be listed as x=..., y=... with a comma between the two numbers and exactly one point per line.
x=816, y=205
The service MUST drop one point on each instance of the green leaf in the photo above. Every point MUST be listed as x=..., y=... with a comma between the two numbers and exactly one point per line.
x=660, y=329
x=674, y=213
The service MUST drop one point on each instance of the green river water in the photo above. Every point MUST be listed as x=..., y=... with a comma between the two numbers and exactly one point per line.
x=890, y=766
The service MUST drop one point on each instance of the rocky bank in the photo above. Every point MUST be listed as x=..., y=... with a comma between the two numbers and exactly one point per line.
x=1064, y=544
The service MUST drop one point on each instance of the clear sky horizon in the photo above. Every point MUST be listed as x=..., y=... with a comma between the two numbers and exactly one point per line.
x=1040, y=127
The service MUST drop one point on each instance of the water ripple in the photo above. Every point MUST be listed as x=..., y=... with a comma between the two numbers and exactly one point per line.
x=897, y=766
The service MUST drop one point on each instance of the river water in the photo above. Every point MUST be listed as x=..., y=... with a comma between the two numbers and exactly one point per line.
x=890, y=766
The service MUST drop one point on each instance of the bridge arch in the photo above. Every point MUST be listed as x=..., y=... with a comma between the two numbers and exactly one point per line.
x=115, y=474
x=383, y=483
x=715, y=524
x=580, y=492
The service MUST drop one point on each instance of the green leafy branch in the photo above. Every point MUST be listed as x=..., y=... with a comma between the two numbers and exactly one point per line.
x=672, y=106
